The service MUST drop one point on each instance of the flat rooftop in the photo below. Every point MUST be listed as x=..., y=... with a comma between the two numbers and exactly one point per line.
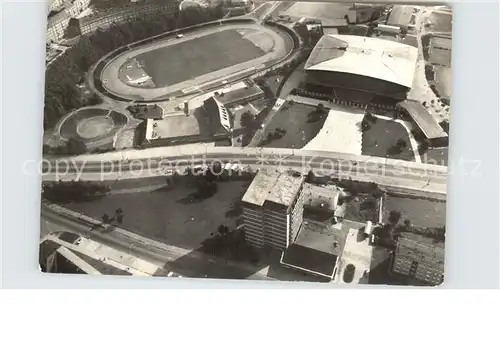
x=418, y=246
x=274, y=186
x=400, y=15
x=321, y=197
x=316, y=249
x=429, y=126
x=233, y=96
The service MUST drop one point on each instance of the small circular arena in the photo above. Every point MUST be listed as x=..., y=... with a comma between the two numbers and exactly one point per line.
x=95, y=126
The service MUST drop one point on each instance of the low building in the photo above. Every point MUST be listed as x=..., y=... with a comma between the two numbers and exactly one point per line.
x=425, y=122
x=240, y=96
x=420, y=258
x=361, y=13
x=324, y=198
x=401, y=16
x=316, y=251
x=273, y=209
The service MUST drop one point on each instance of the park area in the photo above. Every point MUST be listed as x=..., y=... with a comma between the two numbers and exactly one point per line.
x=385, y=138
x=437, y=156
x=422, y=213
x=195, y=57
x=174, y=214
x=300, y=122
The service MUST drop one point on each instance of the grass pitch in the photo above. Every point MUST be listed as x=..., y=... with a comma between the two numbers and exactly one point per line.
x=193, y=58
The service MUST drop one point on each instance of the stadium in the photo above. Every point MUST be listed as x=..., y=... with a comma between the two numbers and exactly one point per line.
x=361, y=69
x=199, y=59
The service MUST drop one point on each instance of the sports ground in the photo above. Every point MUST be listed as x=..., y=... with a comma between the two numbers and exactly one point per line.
x=204, y=57
x=92, y=125
x=187, y=60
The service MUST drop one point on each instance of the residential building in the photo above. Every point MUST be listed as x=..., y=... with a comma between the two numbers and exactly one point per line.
x=419, y=258
x=273, y=209
x=141, y=9
x=60, y=13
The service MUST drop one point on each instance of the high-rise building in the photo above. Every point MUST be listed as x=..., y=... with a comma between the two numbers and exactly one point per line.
x=419, y=258
x=273, y=209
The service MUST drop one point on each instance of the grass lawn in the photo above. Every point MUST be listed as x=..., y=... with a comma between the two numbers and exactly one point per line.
x=437, y=156
x=362, y=208
x=380, y=140
x=168, y=215
x=189, y=59
x=421, y=212
x=300, y=128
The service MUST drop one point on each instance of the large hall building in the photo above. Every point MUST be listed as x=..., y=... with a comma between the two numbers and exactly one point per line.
x=349, y=67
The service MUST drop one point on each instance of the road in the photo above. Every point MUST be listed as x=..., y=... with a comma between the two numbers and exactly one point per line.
x=185, y=262
x=159, y=161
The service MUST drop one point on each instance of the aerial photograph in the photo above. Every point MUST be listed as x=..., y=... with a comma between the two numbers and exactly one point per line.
x=246, y=140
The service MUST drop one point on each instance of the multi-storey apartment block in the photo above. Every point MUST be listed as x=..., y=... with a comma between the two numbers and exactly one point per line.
x=419, y=258
x=273, y=209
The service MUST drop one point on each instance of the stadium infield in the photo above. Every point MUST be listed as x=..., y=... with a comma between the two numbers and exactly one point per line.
x=186, y=60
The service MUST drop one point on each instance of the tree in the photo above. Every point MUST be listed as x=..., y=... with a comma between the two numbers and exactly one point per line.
x=106, y=219
x=310, y=177
x=401, y=143
x=247, y=119
x=407, y=223
x=394, y=217
x=320, y=108
x=76, y=146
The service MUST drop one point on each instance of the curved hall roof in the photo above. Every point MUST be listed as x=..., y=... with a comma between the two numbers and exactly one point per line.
x=372, y=57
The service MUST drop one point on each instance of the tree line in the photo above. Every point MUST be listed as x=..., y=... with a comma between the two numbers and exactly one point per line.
x=62, y=77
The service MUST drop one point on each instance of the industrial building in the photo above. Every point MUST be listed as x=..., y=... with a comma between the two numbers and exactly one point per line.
x=273, y=209
x=369, y=66
x=420, y=258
